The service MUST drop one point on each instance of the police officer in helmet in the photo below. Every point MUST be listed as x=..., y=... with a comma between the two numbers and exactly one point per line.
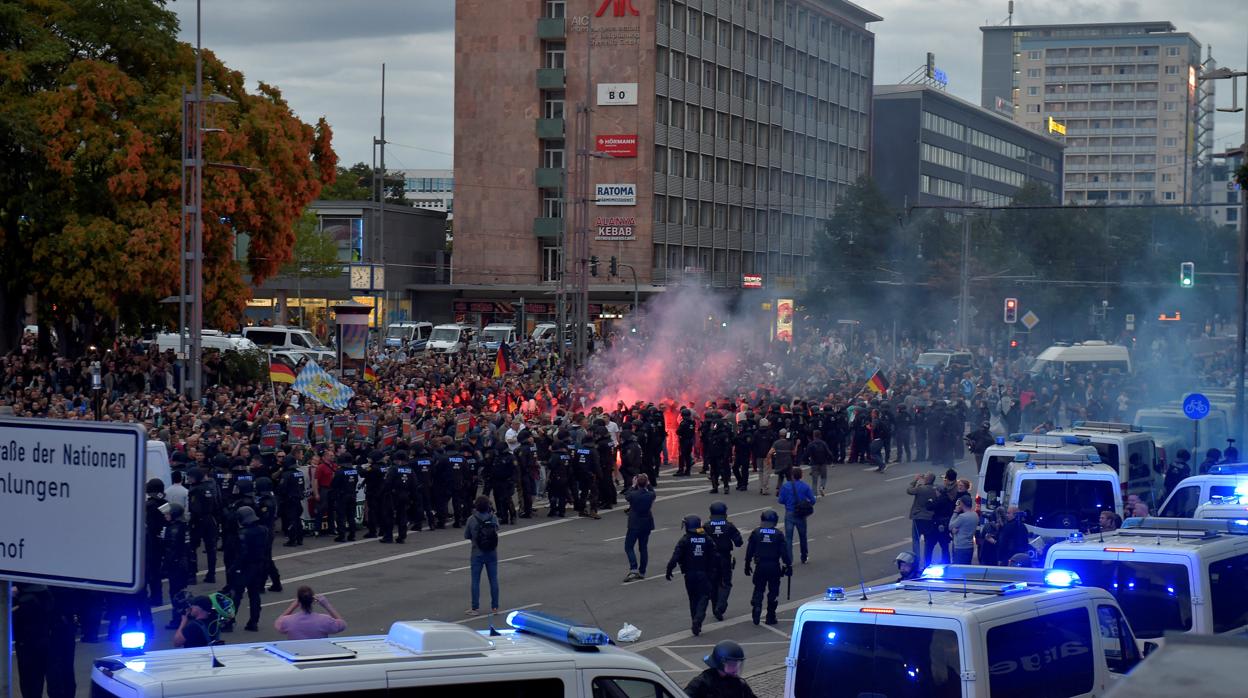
x=698, y=563
x=907, y=566
x=723, y=678
x=767, y=559
x=725, y=538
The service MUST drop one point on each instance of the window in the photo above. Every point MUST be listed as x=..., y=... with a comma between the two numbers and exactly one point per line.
x=1038, y=657
x=1172, y=70
x=1172, y=51
x=1169, y=106
x=1121, y=654
x=1183, y=502
x=1033, y=72
x=550, y=263
x=1232, y=215
x=1168, y=196
x=879, y=660
x=608, y=687
x=552, y=154
x=1171, y=142
x=1033, y=55
x=1227, y=581
x=1033, y=91
x=1155, y=596
x=555, y=54
x=556, y=9
x=1065, y=503
x=552, y=203
x=553, y=104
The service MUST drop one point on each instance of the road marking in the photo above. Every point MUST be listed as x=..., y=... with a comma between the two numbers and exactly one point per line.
x=673, y=638
x=504, y=614
x=877, y=523
x=327, y=593
x=899, y=477
x=775, y=630
x=890, y=546
x=682, y=660
x=612, y=540
x=651, y=578
x=847, y=489
x=509, y=559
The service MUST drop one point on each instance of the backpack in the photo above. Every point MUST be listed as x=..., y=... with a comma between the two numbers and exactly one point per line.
x=486, y=536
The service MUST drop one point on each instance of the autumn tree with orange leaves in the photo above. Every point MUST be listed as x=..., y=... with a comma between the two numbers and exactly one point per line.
x=90, y=127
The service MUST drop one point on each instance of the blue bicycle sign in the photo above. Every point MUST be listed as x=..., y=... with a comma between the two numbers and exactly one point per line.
x=1196, y=406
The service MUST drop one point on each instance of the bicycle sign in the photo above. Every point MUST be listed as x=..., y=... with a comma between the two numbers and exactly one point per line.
x=1196, y=406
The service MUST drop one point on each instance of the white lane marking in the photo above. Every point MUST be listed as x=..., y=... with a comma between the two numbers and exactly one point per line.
x=504, y=614
x=877, y=523
x=847, y=489
x=651, y=578
x=899, y=477
x=775, y=630
x=468, y=567
x=327, y=593
x=890, y=546
x=682, y=660
x=612, y=540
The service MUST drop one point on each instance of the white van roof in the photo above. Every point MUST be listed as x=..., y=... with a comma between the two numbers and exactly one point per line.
x=1158, y=534
x=1092, y=350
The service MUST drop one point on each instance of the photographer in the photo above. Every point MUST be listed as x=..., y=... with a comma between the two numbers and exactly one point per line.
x=300, y=622
x=200, y=626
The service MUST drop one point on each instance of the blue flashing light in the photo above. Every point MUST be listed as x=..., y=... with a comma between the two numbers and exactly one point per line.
x=1000, y=440
x=133, y=642
x=934, y=572
x=1075, y=537
x=1170, y=591
x=557, y=629
x=835, y=594
x=831, y=636
x=1242, y=522
x=1061, y=578
x=1242, y=490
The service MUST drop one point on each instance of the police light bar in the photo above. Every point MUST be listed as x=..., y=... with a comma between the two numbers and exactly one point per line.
x=835, y=594
x=1119, y=550
x=132, y=643
x=557, y=629
x=1061, y=578
x=885, y=611
x=933, y=572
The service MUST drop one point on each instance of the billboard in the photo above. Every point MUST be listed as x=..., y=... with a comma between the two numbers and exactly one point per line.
x=615, y=194
x=622, y=145
x=615, y=227
x=784, y=320
x=751, y=281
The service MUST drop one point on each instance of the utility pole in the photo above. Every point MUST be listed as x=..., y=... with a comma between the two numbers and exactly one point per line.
x=377, y=256
x=584, y=127
x=964, y=287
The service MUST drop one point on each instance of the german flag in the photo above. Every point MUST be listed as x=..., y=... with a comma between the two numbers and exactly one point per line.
x=502, y=360
x=281, y=373
x=877, y=382
x=370, y=375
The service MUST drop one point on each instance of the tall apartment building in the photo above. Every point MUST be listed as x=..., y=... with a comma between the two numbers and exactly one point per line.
x=722, y=133
x=1126, y=94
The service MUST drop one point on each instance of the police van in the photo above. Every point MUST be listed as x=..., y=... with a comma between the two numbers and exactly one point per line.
x=962, y=631
x=1234, y=507
x=1128, y=449
x=1000, y=456
x=1197, y=437
x=540, y=655
x=1063, y=496
x=1168, y=575
x=1220, y=481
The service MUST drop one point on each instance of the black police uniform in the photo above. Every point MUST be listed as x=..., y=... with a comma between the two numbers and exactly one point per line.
x=461, y=479
x=154, y=522
x=529, y=472
x=204, y=501
x=686, y=431
x=231, y=526
x=399, y=487
x=444, y=481
x=503, y=484
x=630, y=458
x=558, y=470
x=743, y=449
x=698, y=563
x=767, y=556
x=725, y=537
x=291, y=490
x=720, y=451
x=585, y=463
x=266, y=509
x=174, y=546
x=373, y=474
x=422, y=494
x=249, y=570
x=342, y=490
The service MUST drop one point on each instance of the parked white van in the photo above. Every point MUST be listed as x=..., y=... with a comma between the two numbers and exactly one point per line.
x=1128, y=449
x=411, y=335
x=495, y=334
x=1084, y=356
x=209, y=339
x=450, y=338
x=292, y=339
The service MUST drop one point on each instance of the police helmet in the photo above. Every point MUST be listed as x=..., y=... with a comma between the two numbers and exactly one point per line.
x=220, y=461
x=245, y=486
x=684, y=412
x=769, y=516
x=175, y=510
x=907, y=557
x=247, y=516
x=399, y=456
x=724, y=651
x=718, y=509
x=692, y=522
x=155, y=486
x=264, y=485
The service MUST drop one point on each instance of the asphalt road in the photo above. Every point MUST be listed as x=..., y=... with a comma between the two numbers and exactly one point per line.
x=574, y=567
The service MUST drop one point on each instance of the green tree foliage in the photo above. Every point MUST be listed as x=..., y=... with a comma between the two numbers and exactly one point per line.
x=315, y=252
x=357, y=183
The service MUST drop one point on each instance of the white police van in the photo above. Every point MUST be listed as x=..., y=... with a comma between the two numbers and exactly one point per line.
x=1234, y=508
x=1128, y=449
x=962, y=631
x=1221, y=481
x=540, y=656
x=1000, y=456
x=1168, y=575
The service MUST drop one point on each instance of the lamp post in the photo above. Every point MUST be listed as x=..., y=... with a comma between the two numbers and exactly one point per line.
x=1241, y=262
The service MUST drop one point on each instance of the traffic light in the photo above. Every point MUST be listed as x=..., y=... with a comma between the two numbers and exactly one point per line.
x=1187, y=274
x=593, y=265
x=615, y=266
x=1011, y=311
x=1013, y=343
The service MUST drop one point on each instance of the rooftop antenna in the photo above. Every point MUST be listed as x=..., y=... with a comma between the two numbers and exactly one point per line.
x=1010, y=18
x=861, y=582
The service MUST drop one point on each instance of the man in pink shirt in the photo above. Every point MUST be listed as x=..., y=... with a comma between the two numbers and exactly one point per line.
x=299, y=622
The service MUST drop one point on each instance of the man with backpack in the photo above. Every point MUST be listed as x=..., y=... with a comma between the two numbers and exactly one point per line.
x=482, y=530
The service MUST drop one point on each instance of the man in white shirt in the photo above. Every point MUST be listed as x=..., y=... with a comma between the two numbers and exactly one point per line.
x=513, y=425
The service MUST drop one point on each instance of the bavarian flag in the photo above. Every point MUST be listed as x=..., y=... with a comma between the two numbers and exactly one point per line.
x=502, y=360
x=877, y=382
x=314, y=382
x=370, y=375
x=281, y=373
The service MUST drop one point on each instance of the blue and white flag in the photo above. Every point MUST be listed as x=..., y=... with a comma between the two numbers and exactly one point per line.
x=317, y=384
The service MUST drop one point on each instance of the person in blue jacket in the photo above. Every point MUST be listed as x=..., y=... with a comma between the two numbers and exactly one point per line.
x=799, y=503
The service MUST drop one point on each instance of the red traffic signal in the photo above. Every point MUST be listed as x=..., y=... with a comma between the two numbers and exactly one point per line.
x=1011, y=311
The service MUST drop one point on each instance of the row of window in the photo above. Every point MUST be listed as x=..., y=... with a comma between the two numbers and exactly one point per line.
x=706, y=120
x=711, y=75
x=979, y=139
x=734, y=173
x=997, y=173
x=702, y=260
x=1102, y=52
x=940, y=187
x=983, y=197
x=940, y=156
x=429, y=184
x=677, y=211
x=748, y=132
x=728, y=32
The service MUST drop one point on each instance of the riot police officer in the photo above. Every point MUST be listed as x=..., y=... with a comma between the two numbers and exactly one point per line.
x=423, y=512
x=698, y=563
x=173, y=545
x=460, y=479
x=529, y=471
x=266, y=510
x=630, y=456
x=248, y=570
x=231, y=525
x=686, y=430
x=400, y=484
x=719, y=454
x=558, y=471
x=585, y=465
x=342, y=491
x=743, y=449
x=726, y=538
x=290, y=489
x=374, y=476
x=204, y=501
x=502, y=482
x=767, y=559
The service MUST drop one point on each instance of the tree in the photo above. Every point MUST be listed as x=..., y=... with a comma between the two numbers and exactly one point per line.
x=357, y=183
x=857, y=246
x=315, y=253
x=90, y=124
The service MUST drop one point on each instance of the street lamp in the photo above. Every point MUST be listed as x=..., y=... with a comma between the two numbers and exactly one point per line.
x=1225, y=73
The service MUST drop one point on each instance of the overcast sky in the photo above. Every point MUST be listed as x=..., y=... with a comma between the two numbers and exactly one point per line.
x=326, y=55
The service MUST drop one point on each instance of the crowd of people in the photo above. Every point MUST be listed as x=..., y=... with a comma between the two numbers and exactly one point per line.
x=447, y=440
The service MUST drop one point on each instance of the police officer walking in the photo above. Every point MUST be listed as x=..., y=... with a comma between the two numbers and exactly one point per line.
x=205, y=504
x=423, y=469
x=342, y=491
x=374, y=476
x=266, y=509
x=685, y=433
x=698, y=563
x=291, y=489
x=585, y=462
x=767, y=559
x=173, y=545
x=726, y=538
x=558, y=471
x=397, y=492
x=249, y=568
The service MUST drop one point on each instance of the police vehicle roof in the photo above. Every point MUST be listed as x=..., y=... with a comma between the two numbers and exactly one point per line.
x=1158, y=534
x=951, y=591
x=362, y=662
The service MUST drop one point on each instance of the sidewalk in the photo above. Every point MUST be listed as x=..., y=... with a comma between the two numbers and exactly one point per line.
x=768, y=683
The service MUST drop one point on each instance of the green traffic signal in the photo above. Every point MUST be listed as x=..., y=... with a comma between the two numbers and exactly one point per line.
x=1187, y=274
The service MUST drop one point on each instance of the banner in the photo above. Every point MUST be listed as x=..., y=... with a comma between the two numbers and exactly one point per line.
x=461, y=427
x=365, y=428
x=320, y=431
x=299, y=430
x=389, y=435
x=342, y=427
x=784, y=320
x=315, y=383
x=270, y=437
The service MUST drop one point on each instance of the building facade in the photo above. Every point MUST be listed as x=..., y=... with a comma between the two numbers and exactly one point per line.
x=721, y=133
x=1135, y=116
x=931, y=148
x=433, y=190
x=1224, y=191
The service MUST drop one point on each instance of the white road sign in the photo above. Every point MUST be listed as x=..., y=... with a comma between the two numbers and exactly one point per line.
x=71, y=503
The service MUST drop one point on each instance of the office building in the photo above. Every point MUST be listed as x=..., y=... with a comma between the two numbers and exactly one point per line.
x=722, y=134
x=1227, y=197
x=931, y=148
x=1136, y=119
x=433, y=190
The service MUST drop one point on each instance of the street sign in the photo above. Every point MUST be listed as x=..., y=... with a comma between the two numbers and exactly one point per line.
x=1130, y=321
x=72, y=511
x=1196, y=406
x=1030, y=320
